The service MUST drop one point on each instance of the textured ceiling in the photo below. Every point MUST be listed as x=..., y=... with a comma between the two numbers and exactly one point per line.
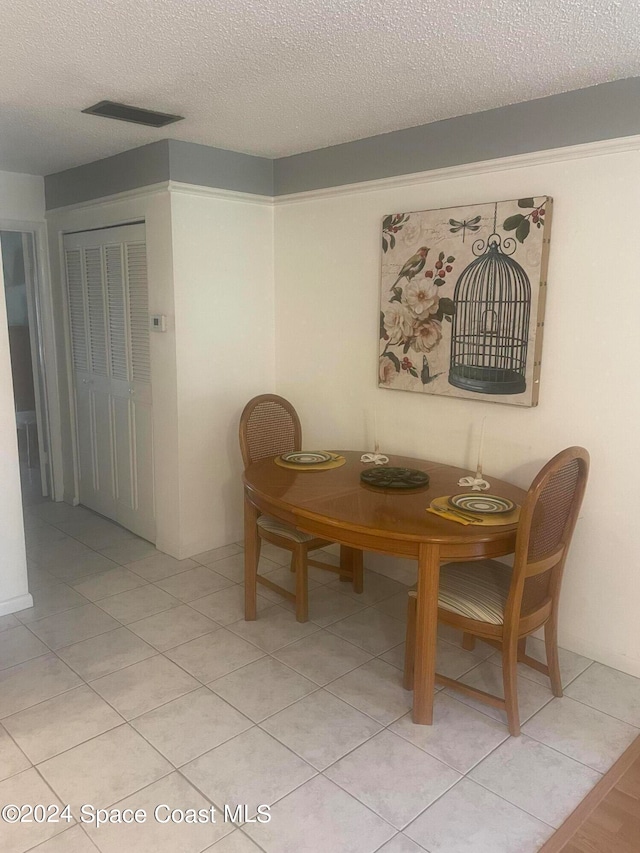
x=276, y=77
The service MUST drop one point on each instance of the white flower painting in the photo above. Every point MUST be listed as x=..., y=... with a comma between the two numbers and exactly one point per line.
x=462, y=300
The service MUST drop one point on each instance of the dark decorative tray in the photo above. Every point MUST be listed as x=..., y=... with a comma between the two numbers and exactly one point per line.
x=394, y=478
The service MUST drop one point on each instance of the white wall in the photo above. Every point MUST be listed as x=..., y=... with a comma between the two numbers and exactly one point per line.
x=210, y=260
x=327, y=267
x=21, y=199
x=155, y=208
x=223, y=278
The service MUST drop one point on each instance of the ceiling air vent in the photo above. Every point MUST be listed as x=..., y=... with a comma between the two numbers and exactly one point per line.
x=123, y=112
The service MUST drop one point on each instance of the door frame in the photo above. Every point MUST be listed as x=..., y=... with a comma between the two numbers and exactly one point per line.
x=63, y=234
x=41, y=301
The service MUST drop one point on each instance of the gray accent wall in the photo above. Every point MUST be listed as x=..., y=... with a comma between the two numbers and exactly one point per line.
x=608, y=111
x=205, y=166
x=131, y=170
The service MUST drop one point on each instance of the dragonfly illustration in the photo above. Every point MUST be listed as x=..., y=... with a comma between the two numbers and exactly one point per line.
x=465, y=225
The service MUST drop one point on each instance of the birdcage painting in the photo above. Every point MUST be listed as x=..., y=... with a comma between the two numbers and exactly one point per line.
x=462, y=300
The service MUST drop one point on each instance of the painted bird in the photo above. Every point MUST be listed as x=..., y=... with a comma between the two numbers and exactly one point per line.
x=413, y=266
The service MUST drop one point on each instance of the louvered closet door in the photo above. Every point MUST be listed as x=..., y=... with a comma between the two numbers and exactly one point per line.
x=109, y=327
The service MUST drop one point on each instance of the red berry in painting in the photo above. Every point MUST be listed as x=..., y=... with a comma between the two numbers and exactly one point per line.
x=428, y=274
x=438, y=265
x=448, y=268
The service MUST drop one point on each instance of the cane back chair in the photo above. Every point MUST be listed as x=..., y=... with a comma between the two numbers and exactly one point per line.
x=503, y=605
x=270, y=426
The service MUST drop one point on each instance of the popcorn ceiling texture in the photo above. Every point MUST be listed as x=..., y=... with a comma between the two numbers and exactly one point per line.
x=277, y=77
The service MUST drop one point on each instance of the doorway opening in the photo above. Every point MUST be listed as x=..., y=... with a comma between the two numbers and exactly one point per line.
x=22, y=296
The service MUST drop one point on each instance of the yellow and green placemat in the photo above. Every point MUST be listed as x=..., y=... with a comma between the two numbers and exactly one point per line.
x=440, y=507
x=336, y=461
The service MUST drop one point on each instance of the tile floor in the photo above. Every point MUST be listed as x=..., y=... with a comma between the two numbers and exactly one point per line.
x=133, y=681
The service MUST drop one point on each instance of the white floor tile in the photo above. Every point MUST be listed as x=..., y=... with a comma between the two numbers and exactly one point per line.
x=50, y=727
x=34, y=681
x=214, y=655
x=273, y=629
x=7, y=622
x=27, y=788
x=173, y=627
x=536, y=778
x=460, y=736
x=159, y=566
x=137, y=604
x=73, y=626
x=253, y=768
x=105, y=769
x=72, y=840
x=392, y=777
x=161, y=835
x=609, y=690
x=581, y=732
x=488, y=677
x=571, y=664
x=371, y=630
x=12, y=759
x=107, y=583
x=194, y=583
x=236, y=842
x=376, y=689
x=216, y=554
x=470, y=819
x=50, y=599
x=262, y=688
x=332, y=821
x=128, y=551
x=227, y=605
x=191, y=725
x=322, y=657
x=321, y=728
x=327, y=606
x=401, y=844
x=143, y=686
x=106, y=653
x=18, y=645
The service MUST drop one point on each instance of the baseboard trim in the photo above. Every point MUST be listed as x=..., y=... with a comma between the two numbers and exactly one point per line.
x=20, y=602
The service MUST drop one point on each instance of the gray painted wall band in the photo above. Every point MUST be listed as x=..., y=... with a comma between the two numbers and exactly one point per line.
x=204, y=166
x=608, y=111
x=139, y=167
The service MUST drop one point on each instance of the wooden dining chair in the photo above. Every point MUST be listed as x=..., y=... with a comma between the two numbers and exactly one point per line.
x=503, y=605
x=270, y=426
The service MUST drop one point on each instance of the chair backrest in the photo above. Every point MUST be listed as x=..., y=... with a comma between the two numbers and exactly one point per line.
x=547, y=521
x=269, y=426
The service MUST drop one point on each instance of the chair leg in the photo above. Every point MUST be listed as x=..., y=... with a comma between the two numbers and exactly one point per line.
x=468, y=642
x=551, y=648
x=357, y=565
x=510, y=681
x=299, y=562
x=410, y=644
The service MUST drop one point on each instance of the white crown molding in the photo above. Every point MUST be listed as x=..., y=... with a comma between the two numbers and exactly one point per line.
x=115, y=198
x=517, y=161
x=214, y=192
x=553, y=155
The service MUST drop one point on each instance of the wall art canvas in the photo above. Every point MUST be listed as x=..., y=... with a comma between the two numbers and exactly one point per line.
x=462, y=300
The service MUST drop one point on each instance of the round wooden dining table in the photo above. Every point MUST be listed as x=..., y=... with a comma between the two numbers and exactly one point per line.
x=336, y=505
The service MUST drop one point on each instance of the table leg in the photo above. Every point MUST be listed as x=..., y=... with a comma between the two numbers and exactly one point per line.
x=346, y=562
x=251, y=553
x=351, y=560
x=426, y=633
